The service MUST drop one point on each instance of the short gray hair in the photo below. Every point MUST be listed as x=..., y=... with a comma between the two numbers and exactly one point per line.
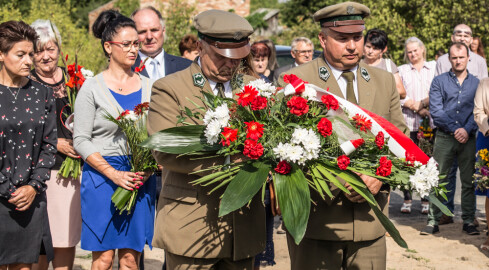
x=157, y=12
x=293, y=45
x=47, y=32
x=420, y=44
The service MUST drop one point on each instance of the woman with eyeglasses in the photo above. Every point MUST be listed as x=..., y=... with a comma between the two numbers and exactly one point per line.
x=103, y=147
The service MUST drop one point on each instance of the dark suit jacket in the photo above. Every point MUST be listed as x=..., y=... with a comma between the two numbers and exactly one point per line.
x=172, y=64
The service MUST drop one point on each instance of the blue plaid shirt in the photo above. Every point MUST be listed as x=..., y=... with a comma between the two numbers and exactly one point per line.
x=452, y=104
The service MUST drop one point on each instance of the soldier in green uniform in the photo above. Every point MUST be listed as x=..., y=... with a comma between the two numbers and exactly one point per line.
x=343, y=232
x=187, y=222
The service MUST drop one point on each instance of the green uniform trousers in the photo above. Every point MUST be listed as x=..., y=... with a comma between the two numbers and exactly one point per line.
x=312, y=254
x=445, y=150
x=177, y=262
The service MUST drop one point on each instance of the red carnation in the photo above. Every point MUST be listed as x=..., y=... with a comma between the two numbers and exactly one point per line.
x=379, y=139
x=298, y=105
x=230, y=135
x=254, y=130
x=410, y=159
x=362, y=123
x=331, y=102
x=283, y=167
x=259, y=103
x=247, y=96
x=384, y=168
x=253, y=149
x=325, y=127
x=343, y=162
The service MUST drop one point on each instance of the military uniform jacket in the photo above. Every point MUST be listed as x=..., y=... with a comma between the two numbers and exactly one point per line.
x=338, y=219
x=187, y=221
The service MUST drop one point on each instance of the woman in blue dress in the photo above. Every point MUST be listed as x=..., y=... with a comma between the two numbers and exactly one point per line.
x=103, y=146
x=481, y=117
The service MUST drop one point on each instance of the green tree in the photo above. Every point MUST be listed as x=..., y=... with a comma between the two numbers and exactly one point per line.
x=178, y=24
x=256, y=4
x=126, y=7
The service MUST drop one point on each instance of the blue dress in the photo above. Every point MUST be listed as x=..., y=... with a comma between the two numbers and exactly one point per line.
x=481, y=143
x=103, y=228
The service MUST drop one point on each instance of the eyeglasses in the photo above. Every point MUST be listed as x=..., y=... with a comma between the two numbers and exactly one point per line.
x=302, y=52
x=126, y=45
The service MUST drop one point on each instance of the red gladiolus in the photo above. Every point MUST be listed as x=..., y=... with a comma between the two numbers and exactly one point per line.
x=254, y=130
x=331, y=102
x=253, y=149
x=384, y=168
x=379, y=139
x=141, y=108
x=325, y=127
x=343, y=162
x=362, y=123
x=230, y=135
x=76, y=77
x=298, y=105
x=259, y=103
x=247, y=96
x=283, y=167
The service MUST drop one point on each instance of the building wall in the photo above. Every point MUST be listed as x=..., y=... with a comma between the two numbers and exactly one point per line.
x=240, y=7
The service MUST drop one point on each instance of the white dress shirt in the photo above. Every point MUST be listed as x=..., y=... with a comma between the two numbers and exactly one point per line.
x=342, y=81
x=228, y=92
x=160, y=63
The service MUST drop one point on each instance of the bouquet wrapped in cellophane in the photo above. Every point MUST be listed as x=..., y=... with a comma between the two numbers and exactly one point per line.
x=481, y=175
x=133, y=124
x=306, y=138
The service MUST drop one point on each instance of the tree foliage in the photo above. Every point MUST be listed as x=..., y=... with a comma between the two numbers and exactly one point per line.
x=178, y=24
x=430, y=21
x=126, y=7
x=74, y=40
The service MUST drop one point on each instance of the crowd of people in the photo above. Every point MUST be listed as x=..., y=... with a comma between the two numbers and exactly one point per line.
x=44, y=215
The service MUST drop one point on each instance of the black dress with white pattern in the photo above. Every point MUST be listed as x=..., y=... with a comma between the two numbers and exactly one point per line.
x=27, y=153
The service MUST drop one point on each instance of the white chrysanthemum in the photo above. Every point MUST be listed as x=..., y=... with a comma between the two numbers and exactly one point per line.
x=299, y=135
x=209, y=116
x=212, y=132
x=425, y=178
x=131, y=116
x=222, y=111
x=311, y=141
x=281, y=151
x=295, y=153
x=264, y=89
x=309, y=93
x=86, y=73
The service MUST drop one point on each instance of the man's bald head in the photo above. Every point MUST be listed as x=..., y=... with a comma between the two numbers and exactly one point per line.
x=462, y=33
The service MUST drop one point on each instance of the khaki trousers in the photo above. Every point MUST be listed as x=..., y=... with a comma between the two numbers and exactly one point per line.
x=314, y=254
x=177, y=262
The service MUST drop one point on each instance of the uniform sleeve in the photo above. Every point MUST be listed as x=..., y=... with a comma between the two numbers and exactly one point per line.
x=47, y=156
x=480, y=115
x=163, y=111
x=85, y=110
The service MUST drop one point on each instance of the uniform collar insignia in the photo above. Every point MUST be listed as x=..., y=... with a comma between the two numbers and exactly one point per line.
x=365, y=74
x=324, y=73
x=199, y=80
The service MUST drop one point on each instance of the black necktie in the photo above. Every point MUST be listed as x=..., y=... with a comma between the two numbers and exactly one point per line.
x=350, y=93
x=220, y=90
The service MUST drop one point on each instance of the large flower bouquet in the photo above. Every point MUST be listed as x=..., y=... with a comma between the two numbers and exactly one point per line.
x=307, y=139
x=481, y=176
x=133, y=124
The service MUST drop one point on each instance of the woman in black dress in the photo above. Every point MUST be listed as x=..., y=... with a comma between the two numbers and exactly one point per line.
x=27, y=151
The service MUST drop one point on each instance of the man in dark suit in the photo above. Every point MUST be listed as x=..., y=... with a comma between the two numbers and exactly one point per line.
x=302, y=50
x=151, y=30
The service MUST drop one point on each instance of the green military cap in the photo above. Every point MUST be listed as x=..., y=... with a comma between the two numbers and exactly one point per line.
x=226, y=33
x=345, y=17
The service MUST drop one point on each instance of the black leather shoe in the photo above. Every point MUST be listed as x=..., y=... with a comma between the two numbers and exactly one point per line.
x=470, y=229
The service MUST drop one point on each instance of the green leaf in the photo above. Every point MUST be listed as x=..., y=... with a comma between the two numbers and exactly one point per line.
x=180, y=140
x=294, y=201
x=440, y=205
x=324, y=171
x=244, y=186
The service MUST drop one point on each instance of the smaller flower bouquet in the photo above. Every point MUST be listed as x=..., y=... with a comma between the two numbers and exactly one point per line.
x=425, y=136
x=71, y=167
x=133, y=124
x=308, y=140
x=481, y=176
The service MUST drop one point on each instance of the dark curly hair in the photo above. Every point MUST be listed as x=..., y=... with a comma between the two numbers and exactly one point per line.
x=12, y=32
x=107, y=25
